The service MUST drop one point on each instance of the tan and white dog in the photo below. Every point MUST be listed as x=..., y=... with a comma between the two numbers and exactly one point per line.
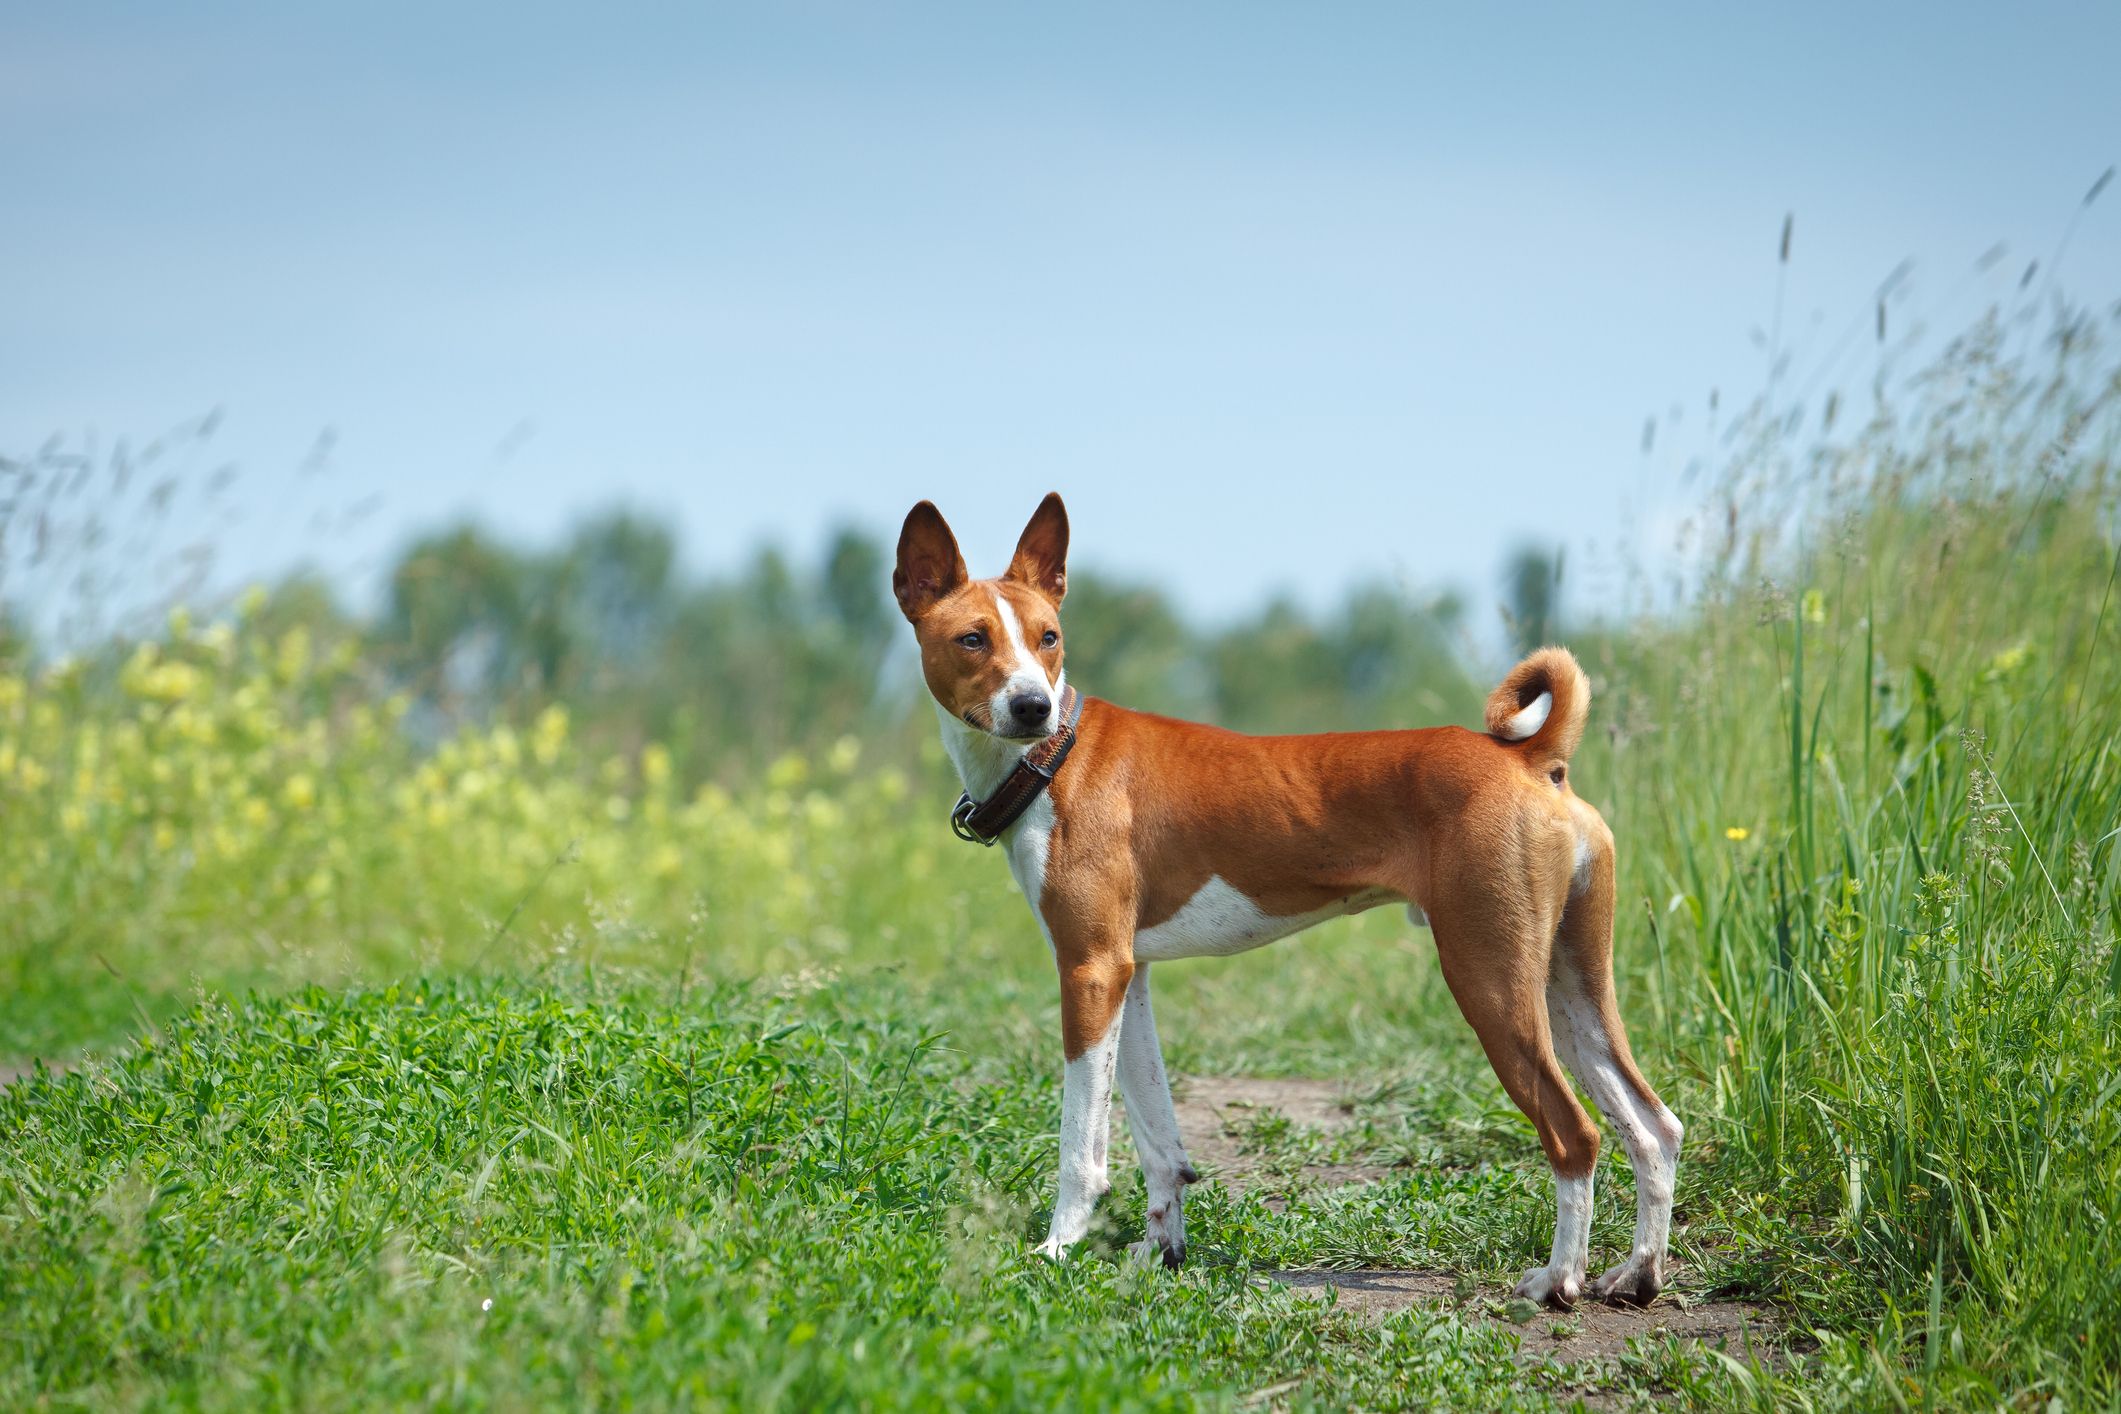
x=1167, y=839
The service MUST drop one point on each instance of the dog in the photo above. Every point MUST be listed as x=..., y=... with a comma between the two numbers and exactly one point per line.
x=1138, y=839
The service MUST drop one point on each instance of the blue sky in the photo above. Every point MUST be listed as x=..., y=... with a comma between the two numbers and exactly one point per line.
x=1276, y=296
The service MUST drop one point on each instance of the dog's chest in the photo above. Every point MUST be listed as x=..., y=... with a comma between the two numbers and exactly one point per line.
x=1028, y=847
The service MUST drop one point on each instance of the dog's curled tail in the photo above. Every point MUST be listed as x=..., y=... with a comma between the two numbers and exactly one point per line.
x=1541, y=706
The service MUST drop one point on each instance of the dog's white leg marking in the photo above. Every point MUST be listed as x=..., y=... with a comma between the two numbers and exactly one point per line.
x=1147, y=1088
x=1562, y=1278
x=1650, y=1133
x=1568, y=1264
x=1086, y=1126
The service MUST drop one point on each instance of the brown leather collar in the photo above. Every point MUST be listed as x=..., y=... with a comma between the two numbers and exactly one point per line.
x=982, y=821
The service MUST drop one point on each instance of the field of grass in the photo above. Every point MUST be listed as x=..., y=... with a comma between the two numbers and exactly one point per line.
x=747, y=1096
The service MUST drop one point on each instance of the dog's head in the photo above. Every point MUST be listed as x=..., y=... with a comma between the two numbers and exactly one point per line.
x=990, y=648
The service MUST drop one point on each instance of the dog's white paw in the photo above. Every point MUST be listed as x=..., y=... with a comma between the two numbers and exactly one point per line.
x=1158, y=1252
x=1634, y=1282
x=1052, y=1249
x=1166, y=1229
x=1551, y=1286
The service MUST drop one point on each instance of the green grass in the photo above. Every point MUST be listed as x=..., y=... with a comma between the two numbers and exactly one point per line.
x=772, y=1201
x=748, y=1098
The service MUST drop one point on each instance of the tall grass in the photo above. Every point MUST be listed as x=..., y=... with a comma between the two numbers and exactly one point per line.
x=1868, y=798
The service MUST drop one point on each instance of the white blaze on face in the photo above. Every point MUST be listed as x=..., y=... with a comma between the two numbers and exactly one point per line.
x=1026, y=672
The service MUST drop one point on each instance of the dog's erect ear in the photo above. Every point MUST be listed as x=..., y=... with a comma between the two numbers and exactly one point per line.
x=1041, y=559
x=929, y=565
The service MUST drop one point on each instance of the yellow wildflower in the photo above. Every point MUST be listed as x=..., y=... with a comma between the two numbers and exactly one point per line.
x=822, y=813
x=1734, y=833
x=655, y=763
x=549, y=734
x=256, y=812
x=2008, y=661
x=168, y=682
x=293, y=656
x=300, y=791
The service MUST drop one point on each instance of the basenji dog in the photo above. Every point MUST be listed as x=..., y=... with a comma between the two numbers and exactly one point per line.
x=1138, y=838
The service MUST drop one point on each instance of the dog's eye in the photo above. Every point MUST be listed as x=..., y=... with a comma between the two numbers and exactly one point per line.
x=1051, y=640
x=973, y=640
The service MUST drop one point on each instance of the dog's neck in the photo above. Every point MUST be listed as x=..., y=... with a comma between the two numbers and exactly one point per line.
x=984, y=760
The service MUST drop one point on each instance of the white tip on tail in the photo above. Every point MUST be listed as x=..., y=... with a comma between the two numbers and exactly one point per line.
x=1529, y=718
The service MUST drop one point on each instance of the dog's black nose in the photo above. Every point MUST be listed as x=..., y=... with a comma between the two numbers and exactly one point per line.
x=1030, y=708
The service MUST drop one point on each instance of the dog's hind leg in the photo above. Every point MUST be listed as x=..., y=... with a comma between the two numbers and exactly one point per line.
x=1494, y=953
x=1588, y=1033
x=1165, y=1170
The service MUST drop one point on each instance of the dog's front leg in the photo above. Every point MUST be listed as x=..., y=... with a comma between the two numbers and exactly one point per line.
x=1147, y=1088
x=1092, y=991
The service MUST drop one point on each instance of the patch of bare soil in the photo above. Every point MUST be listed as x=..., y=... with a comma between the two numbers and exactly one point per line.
x=13, y=1070
x=1217, y=1115
x=1593, y=1330
x=1216, y=1112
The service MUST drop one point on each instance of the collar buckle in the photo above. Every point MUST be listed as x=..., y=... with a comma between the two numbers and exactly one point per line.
x=961, y=822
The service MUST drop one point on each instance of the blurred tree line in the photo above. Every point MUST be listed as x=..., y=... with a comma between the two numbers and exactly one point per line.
x=735, y=669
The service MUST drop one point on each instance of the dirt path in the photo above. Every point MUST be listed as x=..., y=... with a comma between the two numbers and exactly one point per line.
x=1217, y=1113
x=13, y=1070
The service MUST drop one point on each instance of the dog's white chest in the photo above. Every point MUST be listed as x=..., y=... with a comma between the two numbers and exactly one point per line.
x=1218, y=920
x=1027, y=847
